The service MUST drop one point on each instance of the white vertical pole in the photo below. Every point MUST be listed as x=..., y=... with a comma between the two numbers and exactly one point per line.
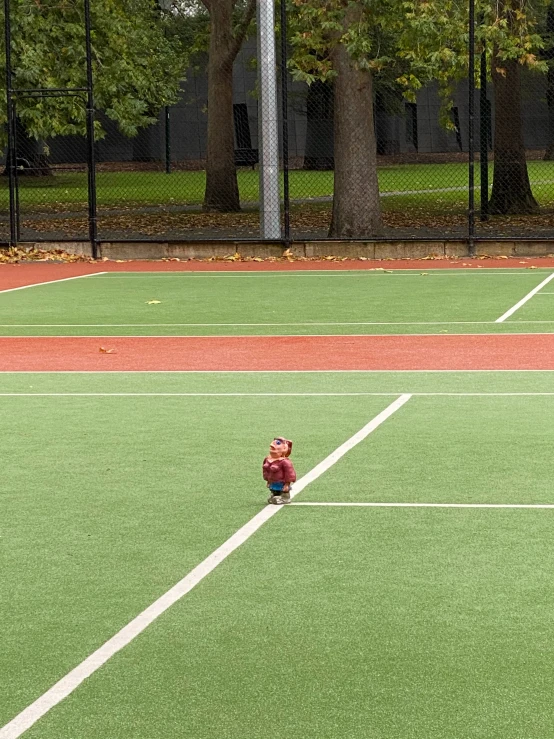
x=268, y=124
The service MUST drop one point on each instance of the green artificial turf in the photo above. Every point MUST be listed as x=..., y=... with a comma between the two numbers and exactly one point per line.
x=327, y=623
x=352, y=302
x=187, y=188
x=471, y=449
x=107, y=502
x=340, y=623
x=393, y=384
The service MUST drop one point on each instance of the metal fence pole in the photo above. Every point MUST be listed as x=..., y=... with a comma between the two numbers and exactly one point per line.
x=270, y=210
x=92, y=214
x=484, y=136
x=285, y=121
x=471, y=145
x=11, y=156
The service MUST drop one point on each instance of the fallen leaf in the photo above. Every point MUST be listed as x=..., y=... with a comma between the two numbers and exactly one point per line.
x=107, y=351
x=153, y=302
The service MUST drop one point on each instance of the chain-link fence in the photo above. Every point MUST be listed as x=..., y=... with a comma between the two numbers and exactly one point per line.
x=303, y=165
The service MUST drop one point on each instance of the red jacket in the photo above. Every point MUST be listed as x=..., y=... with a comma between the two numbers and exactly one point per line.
x=278, y=470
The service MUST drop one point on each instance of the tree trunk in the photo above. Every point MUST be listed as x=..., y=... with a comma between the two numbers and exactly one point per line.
x=222, y=191
x=356, y=206
x=511, y=189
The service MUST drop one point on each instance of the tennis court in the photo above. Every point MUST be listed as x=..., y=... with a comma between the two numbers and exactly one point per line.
x=407, y=590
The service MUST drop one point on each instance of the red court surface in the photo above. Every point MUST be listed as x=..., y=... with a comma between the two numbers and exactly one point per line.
x=223, y=353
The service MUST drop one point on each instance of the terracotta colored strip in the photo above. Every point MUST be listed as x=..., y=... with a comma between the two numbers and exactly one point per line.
x=494, y=352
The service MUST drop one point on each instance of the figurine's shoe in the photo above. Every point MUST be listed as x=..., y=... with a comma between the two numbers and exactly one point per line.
x=273, y=499
x=282, y=499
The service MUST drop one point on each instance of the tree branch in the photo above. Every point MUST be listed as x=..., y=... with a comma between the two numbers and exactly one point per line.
x=242, y=30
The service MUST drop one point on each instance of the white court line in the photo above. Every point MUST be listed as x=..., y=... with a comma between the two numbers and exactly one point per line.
x=529, y=295
x=328, y=273
x=259, y=372
x=204, y=325
x=263, y=395
x=146, y=337
x=242, y=325
x=430, y=505
x=64, y=687
x=51, y=282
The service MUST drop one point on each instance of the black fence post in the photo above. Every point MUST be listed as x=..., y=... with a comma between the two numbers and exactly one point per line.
x=285, y=122
x=471, y=146
x=11, y=150
x=92, y=215
x=484, y=135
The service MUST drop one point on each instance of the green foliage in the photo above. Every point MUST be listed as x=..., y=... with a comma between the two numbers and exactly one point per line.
x=408, y=43
x=137, y=66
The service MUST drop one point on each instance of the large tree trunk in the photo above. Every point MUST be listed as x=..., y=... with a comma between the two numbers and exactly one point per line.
x=511, y=189
x=356, y=206
x=222, y=191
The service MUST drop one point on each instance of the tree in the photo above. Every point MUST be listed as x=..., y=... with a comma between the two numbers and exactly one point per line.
x=337, y=42
x=137, y=69
x=511, y=189
x=509, y=29
x=229, y=24
x=356, y=204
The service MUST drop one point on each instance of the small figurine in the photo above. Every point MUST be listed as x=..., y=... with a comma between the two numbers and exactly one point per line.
x=278, y=471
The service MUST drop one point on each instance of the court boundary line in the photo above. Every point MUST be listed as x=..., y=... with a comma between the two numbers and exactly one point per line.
x=524, y=300
x=373, y=272
x=425, y=505
x=51, y=282
x=108, y=337
x=269, y=395
x=67, y=684
x=251, y=325
x=255, y=372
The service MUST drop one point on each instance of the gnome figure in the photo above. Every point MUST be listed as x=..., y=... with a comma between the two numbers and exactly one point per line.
x=278, y=471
